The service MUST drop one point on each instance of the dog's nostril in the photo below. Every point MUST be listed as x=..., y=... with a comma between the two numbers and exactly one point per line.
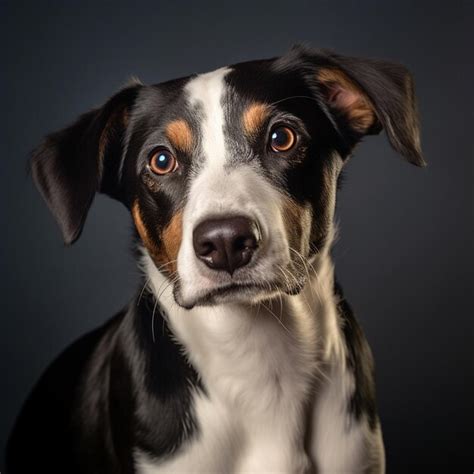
x=244, y=243
x=205, y=248
x=226, y=243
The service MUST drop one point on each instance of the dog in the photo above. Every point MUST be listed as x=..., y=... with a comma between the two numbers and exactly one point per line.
x=239, y=352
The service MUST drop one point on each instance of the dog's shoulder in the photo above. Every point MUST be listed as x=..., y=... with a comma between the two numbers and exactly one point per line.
x=346, y=430
x=44, y=431
x=165, y=382
x=359, y=361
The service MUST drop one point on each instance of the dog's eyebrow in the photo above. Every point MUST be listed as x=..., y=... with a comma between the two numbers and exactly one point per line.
x=180, y=135
x=254, y=116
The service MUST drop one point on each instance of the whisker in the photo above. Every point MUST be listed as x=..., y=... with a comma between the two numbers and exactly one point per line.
x=170, y=282
x=141, y=292
x=171, y=262
x=307, y=266
x=289, y=277
x=277, y=318
x=295, y=97
x=153, y=322
x=157, y=299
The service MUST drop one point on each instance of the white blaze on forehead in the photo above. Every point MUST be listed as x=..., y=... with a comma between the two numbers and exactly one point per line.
x=206, y=92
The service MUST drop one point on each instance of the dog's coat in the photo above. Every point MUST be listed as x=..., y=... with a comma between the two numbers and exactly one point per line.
x=234, y=359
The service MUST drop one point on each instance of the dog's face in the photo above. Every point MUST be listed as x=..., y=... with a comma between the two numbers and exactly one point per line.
x=230, y=176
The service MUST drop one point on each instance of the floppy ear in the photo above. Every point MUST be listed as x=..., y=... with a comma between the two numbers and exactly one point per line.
x=369, y=95
x=71, y=165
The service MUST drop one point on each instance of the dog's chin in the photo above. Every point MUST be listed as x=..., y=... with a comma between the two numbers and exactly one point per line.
x=245, y=293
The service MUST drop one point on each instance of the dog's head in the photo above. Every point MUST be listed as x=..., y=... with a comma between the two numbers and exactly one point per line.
x=230, y=176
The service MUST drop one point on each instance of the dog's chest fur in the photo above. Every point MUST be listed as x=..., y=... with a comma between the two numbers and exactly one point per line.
x=256, y=388
x=268, y=380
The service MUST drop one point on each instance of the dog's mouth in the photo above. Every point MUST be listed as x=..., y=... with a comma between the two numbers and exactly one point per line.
x=238, y=292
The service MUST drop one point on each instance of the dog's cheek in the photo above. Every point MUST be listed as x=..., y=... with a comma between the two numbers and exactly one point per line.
x=143, y=232
x=324, y=206
x=171, y=241
x=297, y=226
x=163, y=246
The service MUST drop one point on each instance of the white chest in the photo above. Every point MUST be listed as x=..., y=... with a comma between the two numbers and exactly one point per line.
x=258, y=370
x=238, y=439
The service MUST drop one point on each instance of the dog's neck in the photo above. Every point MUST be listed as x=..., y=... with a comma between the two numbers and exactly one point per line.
x=307, y=323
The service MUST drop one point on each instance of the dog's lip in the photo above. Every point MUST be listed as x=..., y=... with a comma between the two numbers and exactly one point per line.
x=233, y=287
x=269, y=286
x=219, y=291
x=236, y=287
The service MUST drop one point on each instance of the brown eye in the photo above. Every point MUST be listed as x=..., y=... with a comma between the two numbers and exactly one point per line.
x=163, y=162
x=282, y=139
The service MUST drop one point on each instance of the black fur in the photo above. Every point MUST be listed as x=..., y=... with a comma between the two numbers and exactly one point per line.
x=120, y=386
x=71, y=165
x=360, y=360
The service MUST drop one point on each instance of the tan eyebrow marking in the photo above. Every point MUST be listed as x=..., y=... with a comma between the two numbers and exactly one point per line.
x=180, y=135
x=254, y=117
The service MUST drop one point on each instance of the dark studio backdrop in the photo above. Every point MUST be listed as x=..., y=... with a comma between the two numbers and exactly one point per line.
x=404, y=255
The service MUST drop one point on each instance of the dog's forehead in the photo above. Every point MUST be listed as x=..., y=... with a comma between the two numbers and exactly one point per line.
x=210, y=116
x=219, y=99
x=207, y=90
x=205, y=94
x=229, y=88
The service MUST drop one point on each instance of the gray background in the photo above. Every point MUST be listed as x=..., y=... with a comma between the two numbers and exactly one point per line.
x=405, y=252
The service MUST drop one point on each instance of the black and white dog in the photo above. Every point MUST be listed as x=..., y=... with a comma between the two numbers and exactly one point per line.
x=240, y=353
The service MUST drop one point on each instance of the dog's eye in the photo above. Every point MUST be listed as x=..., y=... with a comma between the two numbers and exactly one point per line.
x=282, y=139
x=162, y=161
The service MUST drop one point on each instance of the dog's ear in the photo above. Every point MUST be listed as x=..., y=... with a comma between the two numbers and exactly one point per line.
x=369, y=95
x=71, y=165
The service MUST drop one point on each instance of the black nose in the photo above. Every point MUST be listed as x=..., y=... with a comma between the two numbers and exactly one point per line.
x=227, y=243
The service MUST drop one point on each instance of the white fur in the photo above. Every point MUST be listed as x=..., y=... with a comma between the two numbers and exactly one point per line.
x=343, y=444
x=205, y=92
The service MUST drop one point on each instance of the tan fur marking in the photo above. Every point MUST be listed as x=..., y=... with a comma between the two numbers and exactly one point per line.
x=172, y=237
x=143, y=232
x=180, y=135
x=293, y=219
x=164, y=256
x=359, y=110
x=254, y=117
